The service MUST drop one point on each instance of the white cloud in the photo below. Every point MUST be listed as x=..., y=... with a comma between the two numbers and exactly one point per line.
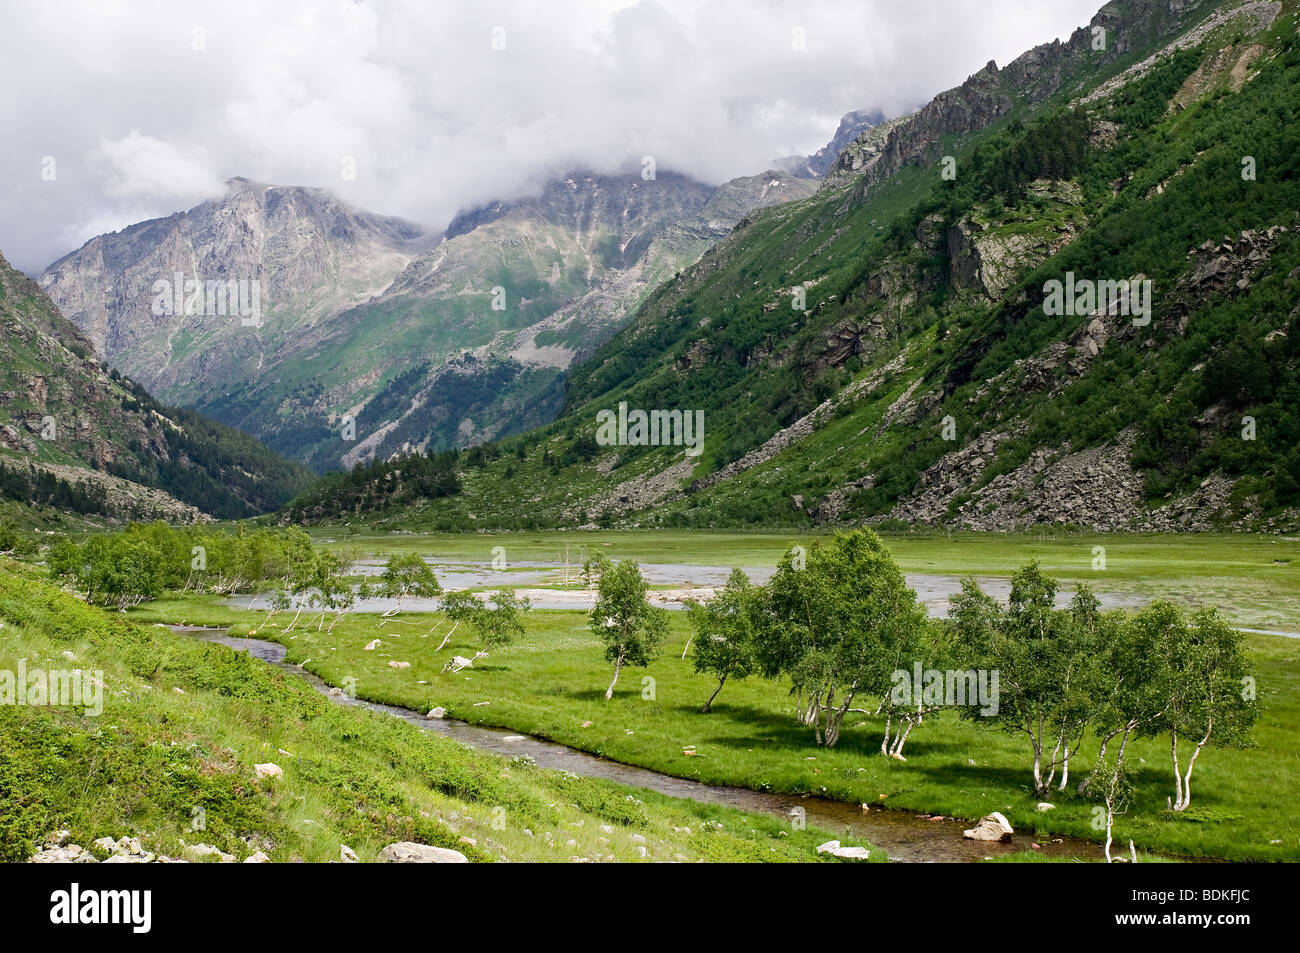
x=144, y=123
x=139, y=167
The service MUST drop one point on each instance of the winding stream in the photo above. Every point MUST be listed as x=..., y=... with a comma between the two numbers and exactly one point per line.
x=904, y=836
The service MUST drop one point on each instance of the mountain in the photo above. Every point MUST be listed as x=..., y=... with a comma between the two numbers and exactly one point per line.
x=304, y=253
x=853, y=125
x=372, y=337
x=910, y=346
x=79, y=438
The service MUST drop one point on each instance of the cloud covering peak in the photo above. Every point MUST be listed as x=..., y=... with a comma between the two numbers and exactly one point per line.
x=119, y=111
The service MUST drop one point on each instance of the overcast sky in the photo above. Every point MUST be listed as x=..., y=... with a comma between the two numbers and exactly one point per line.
x=114, y=112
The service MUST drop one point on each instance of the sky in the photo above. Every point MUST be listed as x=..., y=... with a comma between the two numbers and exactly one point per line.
x=116, y=111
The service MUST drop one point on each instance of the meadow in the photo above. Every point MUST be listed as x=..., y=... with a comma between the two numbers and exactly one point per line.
x=551, y=684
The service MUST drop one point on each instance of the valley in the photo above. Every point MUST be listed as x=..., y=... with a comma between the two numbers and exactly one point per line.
x=929, y=496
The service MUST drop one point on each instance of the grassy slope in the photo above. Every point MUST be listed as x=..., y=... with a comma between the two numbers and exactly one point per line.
x=350, y=777
x=553, y=681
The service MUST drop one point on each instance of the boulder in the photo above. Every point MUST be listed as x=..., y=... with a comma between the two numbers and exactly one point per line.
x=347, y=855
x=833, y=848
x=372, y=646
x=268, y=770
x=438, y=712
x=994, y=827
x=257, y=858
x=406, y=852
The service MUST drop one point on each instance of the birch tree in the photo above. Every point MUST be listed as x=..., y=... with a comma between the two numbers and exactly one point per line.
x=1207, y=693
x=725, y=628
x=631, y=629
x=497, y=622
x=1046, y=664
x=839, y=627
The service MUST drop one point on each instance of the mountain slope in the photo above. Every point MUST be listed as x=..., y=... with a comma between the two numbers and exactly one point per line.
x=886, y=350
x=370, y=342
x=80, y=438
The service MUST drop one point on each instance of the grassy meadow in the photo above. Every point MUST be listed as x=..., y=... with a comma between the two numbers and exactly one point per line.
x=551, y=684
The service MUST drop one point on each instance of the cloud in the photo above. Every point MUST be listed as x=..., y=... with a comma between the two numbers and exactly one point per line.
x=142, y=167
x=146, y=106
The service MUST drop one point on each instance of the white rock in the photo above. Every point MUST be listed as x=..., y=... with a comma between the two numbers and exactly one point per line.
x=372, y=646
x=994, y=827
x=257, y=858
x=268, y=770
x=72, y=854
x=1044, y=806
x=399, y=664
x=347, y=855
x=438, y=712
x=850, y=853
x=406, y=852
x=58, y=839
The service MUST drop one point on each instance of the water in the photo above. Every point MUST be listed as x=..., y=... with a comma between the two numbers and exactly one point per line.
x=902, y=835
x=935, y=592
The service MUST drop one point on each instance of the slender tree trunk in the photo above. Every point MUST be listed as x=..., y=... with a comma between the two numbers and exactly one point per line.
x=1178, y=771
x=708, y=705
x=609, y=692
x=897, y=751
x=1039, y=787
x=1110, y=823
x=1186, y=795
x=447, y=638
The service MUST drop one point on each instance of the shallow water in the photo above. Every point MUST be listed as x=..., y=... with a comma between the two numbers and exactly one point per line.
x=904, y=836
x=689, y=581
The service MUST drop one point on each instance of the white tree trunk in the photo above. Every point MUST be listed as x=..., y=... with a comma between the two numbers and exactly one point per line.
x=609, y=692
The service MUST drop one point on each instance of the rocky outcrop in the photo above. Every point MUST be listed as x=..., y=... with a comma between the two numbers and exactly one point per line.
x=852, y=127
x=989, y=255
x=406, y=852
x=990, y=94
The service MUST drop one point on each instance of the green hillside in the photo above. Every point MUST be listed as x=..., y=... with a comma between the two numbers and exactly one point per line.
x=834, y=343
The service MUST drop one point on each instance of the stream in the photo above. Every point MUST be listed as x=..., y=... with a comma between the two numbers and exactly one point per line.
x=902, y=835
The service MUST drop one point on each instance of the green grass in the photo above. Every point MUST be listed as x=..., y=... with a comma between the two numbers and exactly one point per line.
x=552, y=682
x=184, y=722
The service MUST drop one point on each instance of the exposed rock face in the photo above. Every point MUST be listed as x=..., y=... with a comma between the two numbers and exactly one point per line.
x=853, y=126
x=406, y=852
x=311, y=254
x=989, y=255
